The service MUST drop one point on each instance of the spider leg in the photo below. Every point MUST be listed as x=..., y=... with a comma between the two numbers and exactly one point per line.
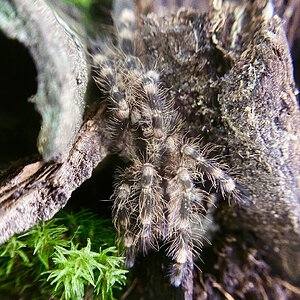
x=157, y=198
x=125, y=23
x=180, y=229
x=212, y=170
x=123, y=209
x=137, y=209
x=188, y=204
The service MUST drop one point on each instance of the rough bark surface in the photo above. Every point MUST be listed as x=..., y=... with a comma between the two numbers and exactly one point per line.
x=232, y=79
x=35, y=192
x=60, y=58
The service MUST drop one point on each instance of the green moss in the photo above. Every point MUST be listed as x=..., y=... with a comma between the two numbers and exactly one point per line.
x=70, y=257
x=85, y=4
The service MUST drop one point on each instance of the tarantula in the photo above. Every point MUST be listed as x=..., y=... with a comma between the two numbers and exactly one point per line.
x=171, y=84
x=163, y=195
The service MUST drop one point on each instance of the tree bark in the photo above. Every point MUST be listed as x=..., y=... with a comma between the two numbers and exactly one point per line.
x=34, y=192
x=59, y=54
x=230, y=73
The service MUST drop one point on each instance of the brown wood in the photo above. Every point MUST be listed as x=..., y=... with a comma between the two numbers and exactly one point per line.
x=36, y=191
x=249, y=108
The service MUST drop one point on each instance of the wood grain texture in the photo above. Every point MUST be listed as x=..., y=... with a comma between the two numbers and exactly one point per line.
x=36, y=191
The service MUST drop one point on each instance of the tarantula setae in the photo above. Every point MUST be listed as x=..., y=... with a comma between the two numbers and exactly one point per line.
x=163, y=194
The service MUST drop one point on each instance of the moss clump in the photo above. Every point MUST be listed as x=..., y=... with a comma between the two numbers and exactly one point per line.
x=69, y=257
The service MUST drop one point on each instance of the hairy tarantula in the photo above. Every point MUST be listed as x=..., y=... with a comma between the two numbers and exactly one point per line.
x=164, y=194
x=172, y=82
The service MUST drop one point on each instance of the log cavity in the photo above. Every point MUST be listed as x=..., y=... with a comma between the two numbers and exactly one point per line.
x=19, y=121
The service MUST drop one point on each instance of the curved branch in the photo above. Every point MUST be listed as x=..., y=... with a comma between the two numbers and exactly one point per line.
x=40, y=189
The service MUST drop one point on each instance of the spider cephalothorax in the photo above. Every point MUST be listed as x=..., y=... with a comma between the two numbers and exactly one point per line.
x=161, y=196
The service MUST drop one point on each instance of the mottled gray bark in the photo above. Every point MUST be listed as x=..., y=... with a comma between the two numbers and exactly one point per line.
x=60, y=58
x=35, y=192
x=230, y=73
